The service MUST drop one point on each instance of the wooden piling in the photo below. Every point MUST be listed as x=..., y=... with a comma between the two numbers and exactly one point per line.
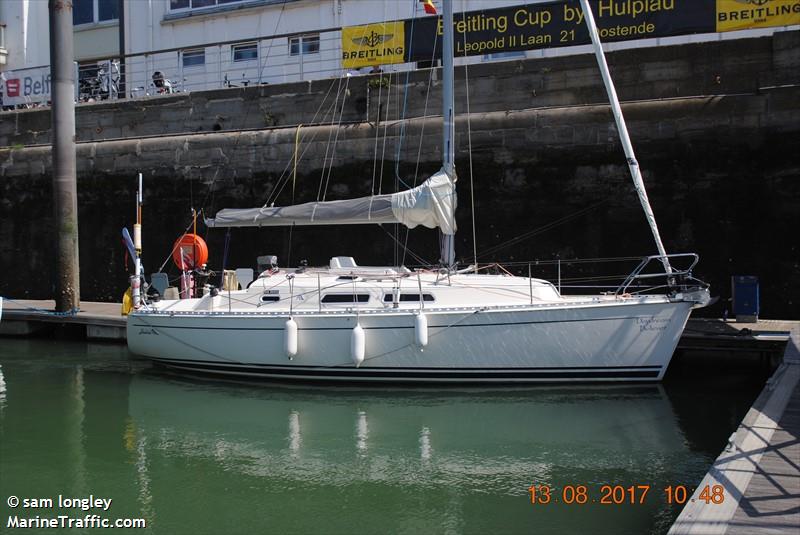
x=65, y=194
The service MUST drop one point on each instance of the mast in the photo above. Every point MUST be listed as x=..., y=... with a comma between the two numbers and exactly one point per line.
x=448, y=128
x=633, y=165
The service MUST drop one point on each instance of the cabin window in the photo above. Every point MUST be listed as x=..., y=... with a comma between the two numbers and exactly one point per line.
x=406, y=298
x=345, y=298
x=270, y=298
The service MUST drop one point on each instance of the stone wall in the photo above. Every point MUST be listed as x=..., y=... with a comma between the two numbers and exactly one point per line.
x=716, y=127
x=716, y=68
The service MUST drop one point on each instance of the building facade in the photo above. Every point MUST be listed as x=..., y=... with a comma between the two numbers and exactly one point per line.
x=188, y=45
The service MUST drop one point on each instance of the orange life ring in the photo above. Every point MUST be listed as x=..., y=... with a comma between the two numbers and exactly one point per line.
x=190, y=252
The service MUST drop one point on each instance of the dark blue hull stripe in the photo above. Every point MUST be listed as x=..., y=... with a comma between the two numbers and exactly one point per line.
x=401, y=374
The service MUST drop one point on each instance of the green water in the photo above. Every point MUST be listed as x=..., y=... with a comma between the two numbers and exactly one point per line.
x=204, y=456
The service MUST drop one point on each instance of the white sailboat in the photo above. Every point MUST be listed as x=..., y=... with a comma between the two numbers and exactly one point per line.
x=353, y=323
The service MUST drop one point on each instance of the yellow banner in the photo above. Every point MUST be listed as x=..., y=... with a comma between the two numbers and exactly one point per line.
x=747, y=14
x=373, y=44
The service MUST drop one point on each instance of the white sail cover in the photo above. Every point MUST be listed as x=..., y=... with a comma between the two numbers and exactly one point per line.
x=431, y=204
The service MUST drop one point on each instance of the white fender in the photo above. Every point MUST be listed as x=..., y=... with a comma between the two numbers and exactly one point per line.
x=421, y=329
x=358, y=345
x=290, y=338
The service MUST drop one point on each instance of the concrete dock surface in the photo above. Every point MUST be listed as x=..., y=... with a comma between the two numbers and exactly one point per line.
x=759, y=470
x=102, y=321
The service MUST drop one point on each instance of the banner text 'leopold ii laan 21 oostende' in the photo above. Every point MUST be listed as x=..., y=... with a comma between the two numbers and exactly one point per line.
x=557, y=24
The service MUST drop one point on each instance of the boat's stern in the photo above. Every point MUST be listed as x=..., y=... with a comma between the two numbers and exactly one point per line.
x=140, y=335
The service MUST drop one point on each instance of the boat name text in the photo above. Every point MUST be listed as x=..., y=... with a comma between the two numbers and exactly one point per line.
x=652, y=323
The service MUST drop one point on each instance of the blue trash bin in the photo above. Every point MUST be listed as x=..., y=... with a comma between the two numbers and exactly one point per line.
x=745, y=298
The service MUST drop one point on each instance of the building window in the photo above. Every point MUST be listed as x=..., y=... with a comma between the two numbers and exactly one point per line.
x=94, y=11
x=245, y=52
x=194, y=58
x=177, y=5
x=304, y=44
x=505, y=55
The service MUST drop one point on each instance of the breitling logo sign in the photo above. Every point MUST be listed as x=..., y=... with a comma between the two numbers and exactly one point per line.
x=560, y=23
x=373, y=44
x=743, y=14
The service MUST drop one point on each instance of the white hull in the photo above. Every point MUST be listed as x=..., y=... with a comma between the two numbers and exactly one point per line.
x=353, y=323
x=563, y=340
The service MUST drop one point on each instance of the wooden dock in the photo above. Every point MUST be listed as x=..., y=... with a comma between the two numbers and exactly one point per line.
x=759, y=471
x=765, y=337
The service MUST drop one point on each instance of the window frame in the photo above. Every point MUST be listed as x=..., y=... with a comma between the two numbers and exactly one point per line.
x=301, y=40
x=508, y=55
x=95, y=17
x=216, y=4
x=237, y=46
x=179, y=9
x=194, y=52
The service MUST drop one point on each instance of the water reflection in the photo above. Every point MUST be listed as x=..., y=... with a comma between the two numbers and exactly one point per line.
x=210, y=457
x=2, y=390
x=456, y=445
x=362, y=432
x=425, y=444
x=510, y=425
x=294, y=432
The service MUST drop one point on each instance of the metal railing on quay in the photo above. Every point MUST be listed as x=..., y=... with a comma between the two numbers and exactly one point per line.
x=248, y=62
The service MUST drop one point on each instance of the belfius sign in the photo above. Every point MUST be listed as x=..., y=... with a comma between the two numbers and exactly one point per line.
x=28, y=86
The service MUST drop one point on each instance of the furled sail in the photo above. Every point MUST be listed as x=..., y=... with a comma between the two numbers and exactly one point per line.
x=431, y=204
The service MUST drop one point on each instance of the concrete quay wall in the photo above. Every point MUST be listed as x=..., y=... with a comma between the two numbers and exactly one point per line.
x=717, y=68
x=716, y=129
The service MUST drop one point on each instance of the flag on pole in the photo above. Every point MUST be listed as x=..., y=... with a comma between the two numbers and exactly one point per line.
x=430, y=9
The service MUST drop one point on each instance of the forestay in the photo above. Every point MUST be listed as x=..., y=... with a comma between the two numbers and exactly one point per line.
x=431, y=204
